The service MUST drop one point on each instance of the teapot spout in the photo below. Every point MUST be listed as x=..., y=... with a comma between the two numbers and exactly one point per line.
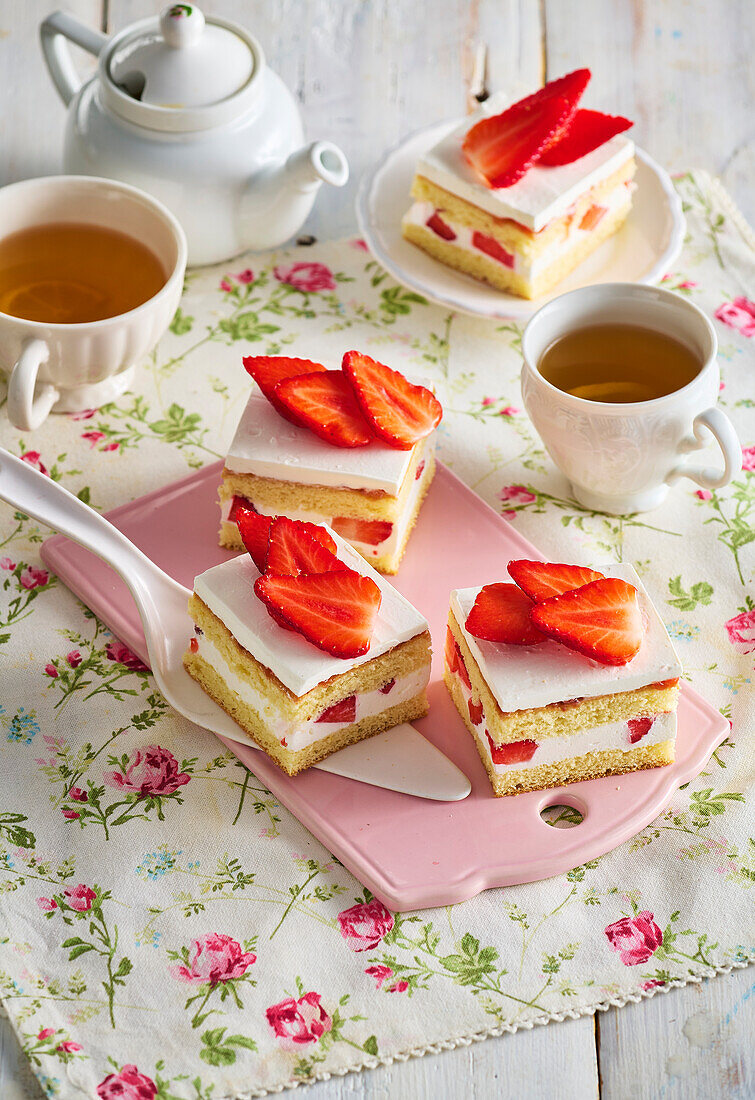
x=278, y=199
x=320, y=162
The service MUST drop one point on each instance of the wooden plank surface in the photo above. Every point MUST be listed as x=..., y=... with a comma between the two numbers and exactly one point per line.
x=367, y=72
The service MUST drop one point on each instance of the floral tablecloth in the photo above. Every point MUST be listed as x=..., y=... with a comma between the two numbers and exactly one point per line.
x=168, y=929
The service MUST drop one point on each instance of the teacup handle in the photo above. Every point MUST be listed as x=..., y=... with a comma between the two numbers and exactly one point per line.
x=25, y=411
x=721, y=427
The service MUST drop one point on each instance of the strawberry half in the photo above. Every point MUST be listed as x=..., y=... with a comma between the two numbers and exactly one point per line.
x=370, y=531
x=334, y=611
x=501, y=613
x=587, y=131
x=255, y=533
x=325, y=403
x=344, y=711
x=502, y=148
x=268, y=370
x=399, y=412
x=292, y=550
x=543, y=579
x=602, y=620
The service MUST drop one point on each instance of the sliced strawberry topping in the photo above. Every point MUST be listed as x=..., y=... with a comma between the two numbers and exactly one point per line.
x=239, y=504
x=439, y=227
x=255, y=533
x=602, y=620
x=343, y=711
x=324, y=402
x=638, y=727
x=268, y=370
x=543, y=579
x=492, y=248
x=292, y=549
x=388, y=686
x=502, y=148
x=587, y=131
x=475, y=712
x=335, y=611
x=501, y=613
x=593, y=216
x=515, y=752
x=398, y=411
x=370, y=531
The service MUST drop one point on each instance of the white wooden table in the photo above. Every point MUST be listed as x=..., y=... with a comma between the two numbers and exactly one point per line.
x=366, y=72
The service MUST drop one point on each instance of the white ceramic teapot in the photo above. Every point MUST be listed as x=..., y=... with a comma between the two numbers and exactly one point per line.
x=186, y=109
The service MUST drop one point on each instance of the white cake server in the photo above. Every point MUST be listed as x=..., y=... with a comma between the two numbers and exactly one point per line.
x=400, y=759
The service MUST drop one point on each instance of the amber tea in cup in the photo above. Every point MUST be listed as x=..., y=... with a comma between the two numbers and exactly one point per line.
x=618, y=363
x=74, y=273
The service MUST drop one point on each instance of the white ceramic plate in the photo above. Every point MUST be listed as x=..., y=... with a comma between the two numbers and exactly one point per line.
x=641, y=252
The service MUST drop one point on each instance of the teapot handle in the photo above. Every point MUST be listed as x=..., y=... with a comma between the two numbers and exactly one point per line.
x=53, y=32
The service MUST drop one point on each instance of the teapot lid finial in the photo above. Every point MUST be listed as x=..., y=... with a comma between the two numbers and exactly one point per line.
x=181, y=25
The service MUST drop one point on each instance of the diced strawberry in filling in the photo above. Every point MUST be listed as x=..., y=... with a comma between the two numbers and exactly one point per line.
x=665, y=683
x=194, y=645
x=370, y=531
x=592, y=216
x=491, y=247
x=475, y=712
x=343, y=711
x=389, y=686
x=516, y=752
x=461, y=668
x=638, y=727
x=236, y=505
x=440, y=228
x=450, y=650
x=284, y=742
x=418, y=473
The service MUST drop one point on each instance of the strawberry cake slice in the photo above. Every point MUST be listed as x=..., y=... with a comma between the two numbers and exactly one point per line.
x=304, y=644
x=522, y=193
x=353, y=448
x=568, y=674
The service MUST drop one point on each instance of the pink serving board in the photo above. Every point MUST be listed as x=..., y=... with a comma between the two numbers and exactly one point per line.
x=410, y=852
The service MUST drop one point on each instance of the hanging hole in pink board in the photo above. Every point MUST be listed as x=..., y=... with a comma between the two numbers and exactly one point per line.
x=562, y=817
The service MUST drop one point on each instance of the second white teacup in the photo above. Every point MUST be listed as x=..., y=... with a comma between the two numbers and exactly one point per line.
x=70, y=367
x=622, y=458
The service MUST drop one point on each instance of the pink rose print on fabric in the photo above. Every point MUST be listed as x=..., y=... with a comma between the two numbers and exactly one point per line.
x=246, y=276
x=79, y=897
x=364, y=925
x=34, y=459
x=297, y=1023
x=359, y=244
x=509, y=410
x=704, y=494
x=51, y=671
x=517, y=494
x=400, y=986
x=70, y=815
x=651, y=985
x=117, y=651
x=129, y=1084
x=380, y=973
x=110, y=447
x=7, y=563
x=93, y=438
x=45, y=1033
x=214, y=959
x=85, y=414
x=78, y=795
x=74, y=658
x=226, y=285
x=47, y=905
x=748, y=459
x=741, y=631
x=33, y=577
x=738, y=314
x=307, y=277
x=69, y=1046
x=152, y=771
x=635, y=939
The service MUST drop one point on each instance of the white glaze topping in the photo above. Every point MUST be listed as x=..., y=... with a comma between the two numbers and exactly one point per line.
x=268, y=446
x=522, y=677
x=228, y=591
x=300, y=735
x=540, y=195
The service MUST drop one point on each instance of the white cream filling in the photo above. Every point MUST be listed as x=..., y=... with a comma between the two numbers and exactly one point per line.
x=388, y=546
x=420, y=212
x=552, y=750
x=296, y=736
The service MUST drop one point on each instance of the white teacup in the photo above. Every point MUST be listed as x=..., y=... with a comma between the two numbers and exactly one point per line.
x=622, y=458
x=70, y=367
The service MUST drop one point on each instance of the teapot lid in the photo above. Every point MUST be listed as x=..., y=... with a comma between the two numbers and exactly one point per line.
x=181, y=71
